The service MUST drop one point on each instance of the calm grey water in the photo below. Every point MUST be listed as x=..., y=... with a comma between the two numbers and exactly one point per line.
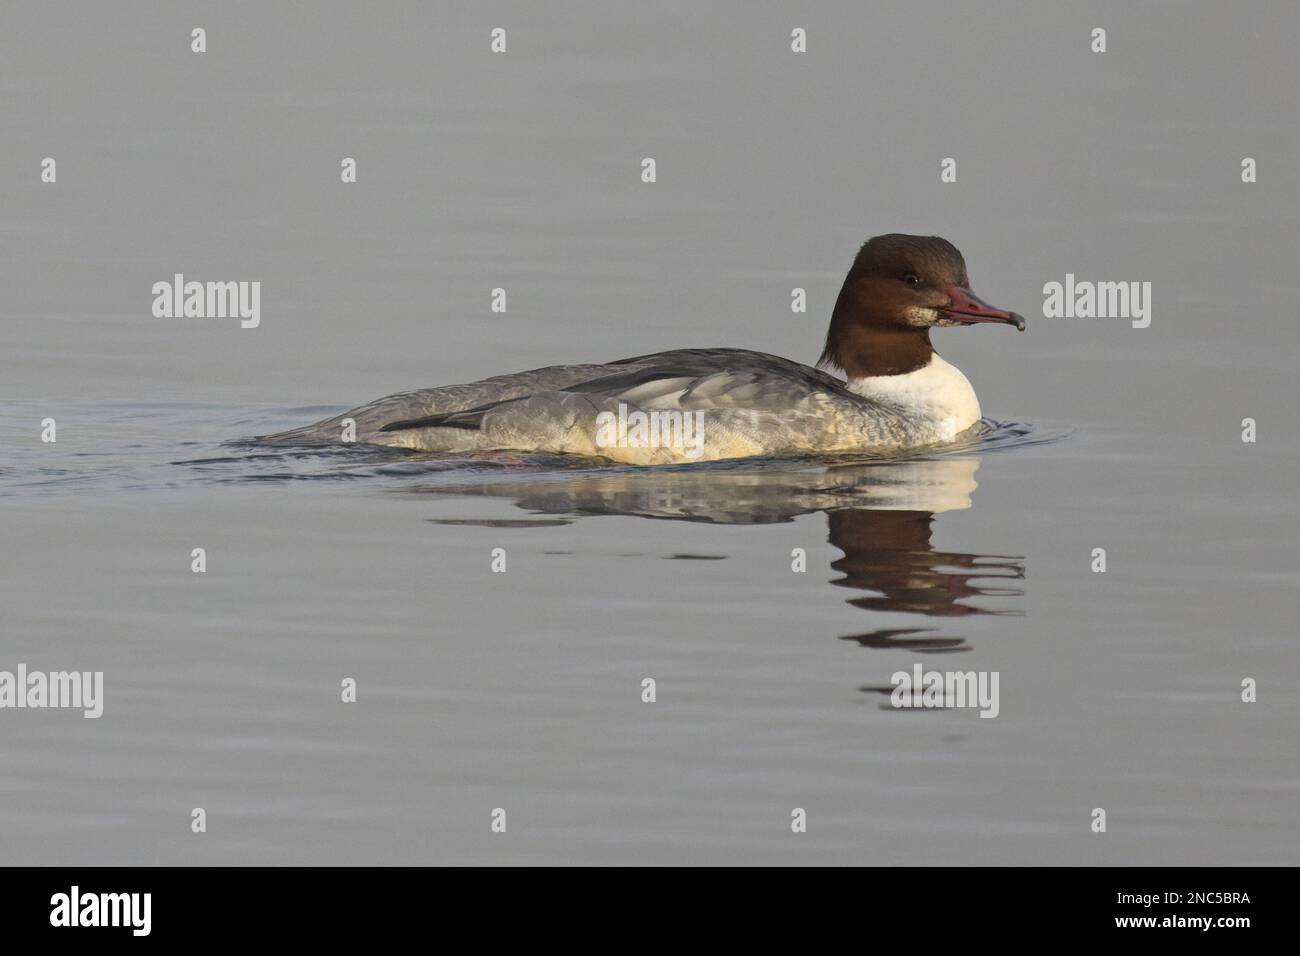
x=522, y=690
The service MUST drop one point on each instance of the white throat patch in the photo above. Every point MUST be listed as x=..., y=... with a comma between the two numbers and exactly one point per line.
x=937, y=397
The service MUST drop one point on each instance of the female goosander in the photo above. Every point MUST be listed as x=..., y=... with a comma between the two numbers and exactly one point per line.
x=709, y=404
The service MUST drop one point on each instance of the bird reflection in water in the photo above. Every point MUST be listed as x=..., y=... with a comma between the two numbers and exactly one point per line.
x=880, y=514
x=889, y=552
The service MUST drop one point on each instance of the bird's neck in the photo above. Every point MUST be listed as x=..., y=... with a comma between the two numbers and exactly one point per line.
x=936, y=397
x=863, y=352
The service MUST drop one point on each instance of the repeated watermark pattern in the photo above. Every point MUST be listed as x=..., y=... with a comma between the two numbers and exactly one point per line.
x=178, y=298
x=33, y=689
x=677, y=431
x=914, y=583
x=1073, y=299
x=945, y=690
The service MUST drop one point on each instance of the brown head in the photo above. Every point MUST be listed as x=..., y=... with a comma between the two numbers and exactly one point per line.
x=899, y=288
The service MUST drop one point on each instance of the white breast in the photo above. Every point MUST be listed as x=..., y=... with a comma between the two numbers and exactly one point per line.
x=938, y=398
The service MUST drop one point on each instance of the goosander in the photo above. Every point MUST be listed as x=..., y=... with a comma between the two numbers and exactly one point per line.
x=897, y=394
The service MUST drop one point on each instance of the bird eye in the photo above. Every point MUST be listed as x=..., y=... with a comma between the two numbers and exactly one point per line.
x=912, y=279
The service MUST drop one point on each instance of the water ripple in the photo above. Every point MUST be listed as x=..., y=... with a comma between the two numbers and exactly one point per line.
x=121, y=448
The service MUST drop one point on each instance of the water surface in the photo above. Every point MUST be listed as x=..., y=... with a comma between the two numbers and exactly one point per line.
x=522, y=690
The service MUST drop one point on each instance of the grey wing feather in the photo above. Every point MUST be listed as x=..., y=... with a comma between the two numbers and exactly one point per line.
x=752, y=403
x=426, y=402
